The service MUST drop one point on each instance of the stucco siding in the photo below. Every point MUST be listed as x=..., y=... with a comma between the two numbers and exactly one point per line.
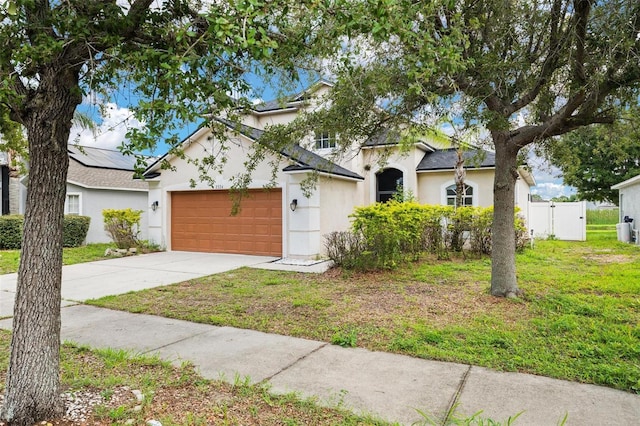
x=338, y=199
x=522, y=197
x=93, y=201
x=431, y=186
x=404, y=162
x=239, y=150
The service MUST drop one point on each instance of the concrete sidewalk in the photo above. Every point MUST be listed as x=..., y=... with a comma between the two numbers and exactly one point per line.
x=392, y=387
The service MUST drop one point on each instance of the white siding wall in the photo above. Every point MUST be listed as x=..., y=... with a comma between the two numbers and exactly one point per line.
x=93, y=201
x=630, y=203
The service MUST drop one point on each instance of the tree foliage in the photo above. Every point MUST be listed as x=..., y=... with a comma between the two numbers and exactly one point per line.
x=592, y=159
x=524, y=71
x=174, y=61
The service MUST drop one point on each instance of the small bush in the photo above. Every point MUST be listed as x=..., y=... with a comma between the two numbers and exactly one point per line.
x=480, y=232
x=123, y=226
x=75, y=230
x=11, y=232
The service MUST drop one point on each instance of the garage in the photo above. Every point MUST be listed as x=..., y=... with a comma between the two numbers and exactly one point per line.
x=202, y=221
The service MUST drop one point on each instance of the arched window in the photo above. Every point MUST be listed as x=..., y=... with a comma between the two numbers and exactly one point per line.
x=467, y=198
x=388, y=182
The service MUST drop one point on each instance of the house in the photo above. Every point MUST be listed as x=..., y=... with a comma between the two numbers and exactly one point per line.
x=101, y=179
x=629, y=204
x=97, y=179
x=10, y=194
x=192, y=215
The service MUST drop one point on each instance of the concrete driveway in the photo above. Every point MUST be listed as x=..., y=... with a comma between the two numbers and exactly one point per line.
x=116, y=276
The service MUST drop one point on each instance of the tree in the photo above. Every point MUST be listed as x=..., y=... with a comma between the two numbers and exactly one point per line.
x=180, y=61
x=525, y=71
x=593, y=159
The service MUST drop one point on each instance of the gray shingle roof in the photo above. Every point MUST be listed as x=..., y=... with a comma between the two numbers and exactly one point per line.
x=273, y=105
x=445, y=159
x=96, y=177
x=306, y=159
x=283, y=104
x=102, y=168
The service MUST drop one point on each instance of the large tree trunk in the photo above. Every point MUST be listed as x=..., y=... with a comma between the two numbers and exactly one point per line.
x=503, y=251
x=33, y=378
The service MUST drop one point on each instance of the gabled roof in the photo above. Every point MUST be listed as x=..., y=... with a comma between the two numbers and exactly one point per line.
x=98, y=168
x=305, y=159
x=445, y=159
x=291, y=102
x=388, y=137
x=628, y=182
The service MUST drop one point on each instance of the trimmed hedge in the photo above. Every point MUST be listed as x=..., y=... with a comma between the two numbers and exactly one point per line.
x=385, y=235
x=10, y=232
x=74, y=231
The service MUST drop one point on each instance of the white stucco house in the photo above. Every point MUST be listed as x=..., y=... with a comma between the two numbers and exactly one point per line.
x=192, y=215
x=629, y=203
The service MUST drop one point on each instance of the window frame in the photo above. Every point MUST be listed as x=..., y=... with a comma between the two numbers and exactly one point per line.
x=471, y=194
x=324, y=140
x=67, y=204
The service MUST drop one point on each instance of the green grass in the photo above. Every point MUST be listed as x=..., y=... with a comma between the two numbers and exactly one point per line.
x=603, y=217
x=579, y=319
x=10, y=259
x=177, y=395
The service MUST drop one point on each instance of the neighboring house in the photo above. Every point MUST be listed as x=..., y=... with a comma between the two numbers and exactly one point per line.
x=193, y=216
x=101, y=179
x=629, y=204
x=97, y=179
x=10, y=187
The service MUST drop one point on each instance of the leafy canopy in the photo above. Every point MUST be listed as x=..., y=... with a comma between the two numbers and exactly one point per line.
x=594, y=158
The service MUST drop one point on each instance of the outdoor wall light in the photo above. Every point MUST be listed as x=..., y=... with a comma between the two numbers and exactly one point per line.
x=293, y=205
x=154, y=206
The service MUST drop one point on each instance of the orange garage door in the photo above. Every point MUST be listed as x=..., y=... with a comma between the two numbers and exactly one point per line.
x=202, y=221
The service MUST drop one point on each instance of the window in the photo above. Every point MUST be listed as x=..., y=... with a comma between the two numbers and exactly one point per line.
x=73, y=204
x=325, y=140
x=389, y=182
x=467, y=199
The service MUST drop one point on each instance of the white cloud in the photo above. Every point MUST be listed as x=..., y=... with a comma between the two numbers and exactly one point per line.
x=110, y=133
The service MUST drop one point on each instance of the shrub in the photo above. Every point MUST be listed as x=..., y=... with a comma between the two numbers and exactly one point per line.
x=75, y=230
x=385, y=235
x=480, y=230
x=123, y=226
x=11, y=232
x=346, y=249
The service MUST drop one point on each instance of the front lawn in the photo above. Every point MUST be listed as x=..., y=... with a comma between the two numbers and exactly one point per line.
x=10, y=259
x=579, y=319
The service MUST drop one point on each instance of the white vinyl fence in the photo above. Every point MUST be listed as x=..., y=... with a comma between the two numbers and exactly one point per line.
x=563, y=221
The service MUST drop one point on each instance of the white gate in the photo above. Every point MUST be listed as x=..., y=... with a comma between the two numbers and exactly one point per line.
x=563, y=221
